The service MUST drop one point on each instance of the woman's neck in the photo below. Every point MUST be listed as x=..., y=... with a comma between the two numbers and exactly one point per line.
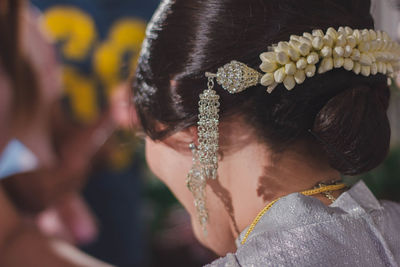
x=255, y=176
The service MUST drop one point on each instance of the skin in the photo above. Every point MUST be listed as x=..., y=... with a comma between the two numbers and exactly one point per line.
x=48, y=71
x=250, y=175
x=5, y=108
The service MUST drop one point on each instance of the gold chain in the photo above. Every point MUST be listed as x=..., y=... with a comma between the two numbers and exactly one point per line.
x=315, y=191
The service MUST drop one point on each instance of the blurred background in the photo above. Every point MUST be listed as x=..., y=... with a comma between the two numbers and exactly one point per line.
x=113, y=208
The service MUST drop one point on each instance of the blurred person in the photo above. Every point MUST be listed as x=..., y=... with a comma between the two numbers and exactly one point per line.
x=256, y=153
x=21, y=244
x=98, y=43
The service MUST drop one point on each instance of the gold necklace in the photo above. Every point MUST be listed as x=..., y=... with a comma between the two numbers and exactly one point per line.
x=321, y=189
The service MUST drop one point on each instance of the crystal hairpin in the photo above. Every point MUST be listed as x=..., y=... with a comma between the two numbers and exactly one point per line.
x=236, y=77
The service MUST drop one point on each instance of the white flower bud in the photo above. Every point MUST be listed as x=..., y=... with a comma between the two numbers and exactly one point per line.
x=378, y=45
x=289, y=82
x=366, y=70
x=351, y=41
x=310, y=70
x=372, y=57
x=385, y=36
x=317, y=43
x=357, y=68
x=379, y=56
x=267, y=79
x=313, y=58
x=373, y=45
x=332, y=32
x=301, y=63
x=273, y=48
x=271, y=88
x=328, y=40
x=347, y=51
x=385, y=45
x=279, y=75
x=290, y=68
x=357, y=36
x=365, y=60
x=374, y=69
x=365, y=35
x=326, y=51
x=393, y=57
x=341, y=40
x=338, y=62
x=349, y=31
x=372, y=34
x=338, y=51
x=304, y=49
x=268, y=66
x=295, y=44
x=283, y=46
x=380, y=67
x=326, y=65
x=389, y=68
x=396, y=66
x=379, y=35
x=268, y=56
x=355, y=55
x=364, y=47
x=384, y=68
x=390, y=57
x=300, y=76
x=381, y=43
x=305, y=40
x=318, y=33
x=348, y=64
x=282, y=58
x=308, y=35
x=294, y=54
x=341, y=31
x=295, y=38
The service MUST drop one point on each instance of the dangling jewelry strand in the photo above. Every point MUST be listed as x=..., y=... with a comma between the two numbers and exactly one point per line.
x=207, y=129
x=205, y=157
x=196, y=183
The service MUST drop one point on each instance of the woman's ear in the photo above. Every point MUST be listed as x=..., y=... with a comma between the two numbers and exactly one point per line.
x=181, y=140
x=193, y=133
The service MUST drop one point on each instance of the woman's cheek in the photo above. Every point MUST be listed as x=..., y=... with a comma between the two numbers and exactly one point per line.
x=171, y=167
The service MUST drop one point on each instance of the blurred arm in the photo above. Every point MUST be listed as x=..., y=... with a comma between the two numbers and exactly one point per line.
x=23, y=245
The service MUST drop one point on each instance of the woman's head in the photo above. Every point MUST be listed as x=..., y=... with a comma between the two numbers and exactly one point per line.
x=338, y=115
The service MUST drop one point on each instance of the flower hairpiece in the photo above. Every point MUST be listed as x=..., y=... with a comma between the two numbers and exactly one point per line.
x=365, y=52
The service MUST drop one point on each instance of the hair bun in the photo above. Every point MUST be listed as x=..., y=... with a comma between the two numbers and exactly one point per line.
x=354, y=129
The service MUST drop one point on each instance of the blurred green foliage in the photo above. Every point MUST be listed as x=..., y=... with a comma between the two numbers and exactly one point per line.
x=385, y=180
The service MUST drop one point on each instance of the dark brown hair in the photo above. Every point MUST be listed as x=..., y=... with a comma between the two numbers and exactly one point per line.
x=15, y=64
x=341, y=113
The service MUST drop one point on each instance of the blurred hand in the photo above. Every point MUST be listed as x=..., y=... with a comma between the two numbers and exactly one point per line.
x=122, y=109
x=70, y=219
x=75, y=148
